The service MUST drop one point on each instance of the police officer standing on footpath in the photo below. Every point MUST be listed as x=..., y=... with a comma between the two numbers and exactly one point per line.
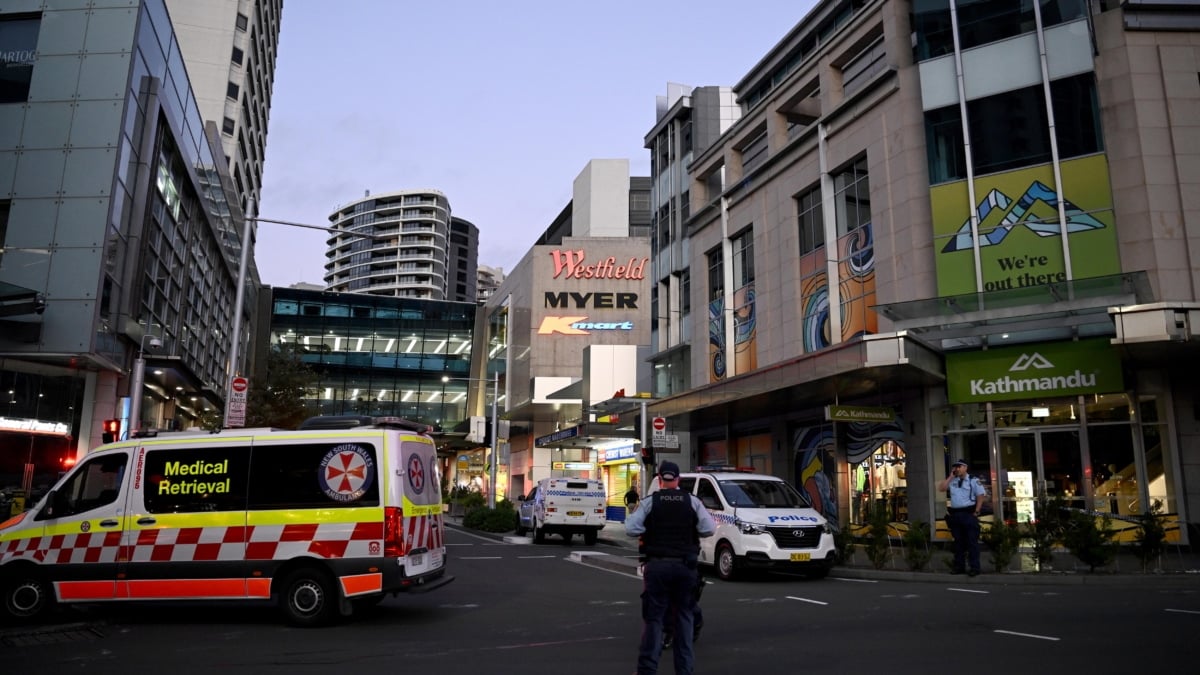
x=966, y=501
x=670, y=523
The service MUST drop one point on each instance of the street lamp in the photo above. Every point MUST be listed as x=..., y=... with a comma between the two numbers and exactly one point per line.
x=139, y=381
x=495, y=432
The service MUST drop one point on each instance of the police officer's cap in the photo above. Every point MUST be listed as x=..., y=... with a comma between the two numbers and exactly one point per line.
x=668, y=471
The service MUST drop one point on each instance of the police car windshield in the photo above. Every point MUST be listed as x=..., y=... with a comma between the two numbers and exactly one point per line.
x=762, y=494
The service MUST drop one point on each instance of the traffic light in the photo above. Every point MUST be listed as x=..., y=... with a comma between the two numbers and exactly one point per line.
x=112, y=429
x=648, y=455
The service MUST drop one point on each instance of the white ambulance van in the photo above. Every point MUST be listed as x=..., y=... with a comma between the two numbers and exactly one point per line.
x=563, y=506
x=762, y=523
x=316, y=521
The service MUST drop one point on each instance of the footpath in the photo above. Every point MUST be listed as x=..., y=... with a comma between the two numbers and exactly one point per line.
x=1178, y=567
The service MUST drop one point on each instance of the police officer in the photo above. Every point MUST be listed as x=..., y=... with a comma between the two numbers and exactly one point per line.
x=966, y=502
x=670, y=523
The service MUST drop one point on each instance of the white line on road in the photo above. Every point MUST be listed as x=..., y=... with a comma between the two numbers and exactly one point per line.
x=1028, y=635
x=534, y=557
x=857, y=581
x=1183, y=611
x=967, y=590
x=479, y=557
x=815, y=602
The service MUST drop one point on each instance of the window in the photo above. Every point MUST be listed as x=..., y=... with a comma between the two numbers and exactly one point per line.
x=1077, y=114
x=811, y=221
x=243, y=22
x=754, y=154
x=865, y=65
x=322, y=475
x=18, y=53
x=716, y=275
x=852, y=196
x=685, y=292
x=232, y=91
x=945, y=146
x=95, y=484
x=1009, y=130
x=238, y=56
x=743, y=258
x=932, y=28
x=707, y=493
x=227, y=126
x=190, y=480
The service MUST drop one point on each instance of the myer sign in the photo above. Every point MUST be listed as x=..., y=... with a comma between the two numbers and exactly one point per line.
x=1037, y=370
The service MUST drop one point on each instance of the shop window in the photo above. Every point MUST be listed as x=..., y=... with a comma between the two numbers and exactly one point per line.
x=810, y=220
x=18, y=54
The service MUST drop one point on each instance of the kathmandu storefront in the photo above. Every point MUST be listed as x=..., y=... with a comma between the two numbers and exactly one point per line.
x=1055, y=420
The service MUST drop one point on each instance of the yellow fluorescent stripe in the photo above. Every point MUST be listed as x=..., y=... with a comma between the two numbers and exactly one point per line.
x=208, y=519
x=319, y=516
x=411, y=509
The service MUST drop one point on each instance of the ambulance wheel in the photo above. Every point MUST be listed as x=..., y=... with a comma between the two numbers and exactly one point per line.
x=590, y=537
x=26, y=596
x=726, y=562
x=308, y=598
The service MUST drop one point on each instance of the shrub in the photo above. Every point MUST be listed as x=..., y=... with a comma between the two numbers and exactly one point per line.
x=916, y=545
x=877, y=545
x=1151, y=538
x=1003, y=539
x=843, y=544
x=503, y=518
x=1089, y=541
x=1046, y=531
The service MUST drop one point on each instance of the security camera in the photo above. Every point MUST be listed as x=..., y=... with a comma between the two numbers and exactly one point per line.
x=155, y=342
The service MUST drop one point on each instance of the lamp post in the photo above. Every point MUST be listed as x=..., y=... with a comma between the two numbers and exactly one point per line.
x=492, y=478
x=139, y=381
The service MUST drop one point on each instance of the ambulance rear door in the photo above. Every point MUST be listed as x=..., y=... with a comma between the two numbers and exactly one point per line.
x=415, y=486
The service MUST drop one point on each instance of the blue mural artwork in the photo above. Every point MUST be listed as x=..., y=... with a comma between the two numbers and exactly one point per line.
x=815, y=470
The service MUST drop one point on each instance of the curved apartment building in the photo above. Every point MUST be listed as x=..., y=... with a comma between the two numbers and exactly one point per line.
x=396, y=244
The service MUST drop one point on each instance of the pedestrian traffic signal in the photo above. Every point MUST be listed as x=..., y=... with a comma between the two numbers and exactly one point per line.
x=112, y=429
x=648, y=455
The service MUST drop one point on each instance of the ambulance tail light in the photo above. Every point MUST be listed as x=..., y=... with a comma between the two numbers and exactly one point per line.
x=393, y=532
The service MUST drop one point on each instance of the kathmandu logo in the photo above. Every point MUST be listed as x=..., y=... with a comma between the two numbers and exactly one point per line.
x=1027, y=361
x=1011, y=385
x=578, y=325
x=1014, y=213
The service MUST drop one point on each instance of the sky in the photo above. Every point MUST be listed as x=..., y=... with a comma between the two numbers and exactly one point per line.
x=498, y=105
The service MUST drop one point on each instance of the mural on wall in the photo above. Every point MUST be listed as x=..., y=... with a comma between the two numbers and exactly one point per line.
x=1020, y=243
x=745, y=346
x=856, y=288
x=864, y=438
x=812, y=450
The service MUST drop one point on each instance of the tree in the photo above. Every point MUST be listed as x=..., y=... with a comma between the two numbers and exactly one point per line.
x=279, y=402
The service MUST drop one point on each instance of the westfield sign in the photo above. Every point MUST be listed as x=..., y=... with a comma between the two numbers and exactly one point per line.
x=573, y=265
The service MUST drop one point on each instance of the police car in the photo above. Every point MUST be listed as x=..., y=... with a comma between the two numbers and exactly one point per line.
x=762, y=523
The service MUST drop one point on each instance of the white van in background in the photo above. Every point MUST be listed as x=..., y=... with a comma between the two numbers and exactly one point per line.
x=762, y=523
x=563, y=506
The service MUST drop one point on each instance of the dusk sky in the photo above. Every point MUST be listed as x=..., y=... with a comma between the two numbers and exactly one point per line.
x=499, y=105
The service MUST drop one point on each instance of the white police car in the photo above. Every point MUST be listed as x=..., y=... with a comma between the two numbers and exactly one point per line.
x=762, y=523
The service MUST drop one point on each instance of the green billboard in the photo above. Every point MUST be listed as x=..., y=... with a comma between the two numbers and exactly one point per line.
x=1033, y=371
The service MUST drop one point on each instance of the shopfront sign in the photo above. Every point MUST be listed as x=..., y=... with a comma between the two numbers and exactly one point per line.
x=624, y=452
x=578, y=325
x=572, y=466
x=591, y=300
x=560, y=435
x=574, y=265
x=859, y=413
x=1033, y=371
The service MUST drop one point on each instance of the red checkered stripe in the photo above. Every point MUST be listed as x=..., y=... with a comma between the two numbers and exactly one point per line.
x=420, y=532
x=261, y=542
x=65, y=549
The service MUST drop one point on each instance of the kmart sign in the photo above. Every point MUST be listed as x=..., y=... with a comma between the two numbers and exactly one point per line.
x=1034, y=371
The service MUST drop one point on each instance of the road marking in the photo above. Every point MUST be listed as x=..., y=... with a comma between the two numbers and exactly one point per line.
x=857, y=581
x=815, y=602
x=1028, y=635
x=1183, y=611
x=968, y=590
x=480, y=557
x=534, y=557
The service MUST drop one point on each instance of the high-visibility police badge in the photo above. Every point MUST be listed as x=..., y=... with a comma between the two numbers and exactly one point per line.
x=347, y=472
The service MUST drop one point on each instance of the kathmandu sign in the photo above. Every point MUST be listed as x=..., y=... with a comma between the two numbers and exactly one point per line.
x=1033, y=371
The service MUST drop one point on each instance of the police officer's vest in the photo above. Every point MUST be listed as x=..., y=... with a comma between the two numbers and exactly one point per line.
x=671, y=526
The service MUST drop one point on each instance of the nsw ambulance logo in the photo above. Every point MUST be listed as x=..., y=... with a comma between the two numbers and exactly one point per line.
x=417, y=477
x=347, y=472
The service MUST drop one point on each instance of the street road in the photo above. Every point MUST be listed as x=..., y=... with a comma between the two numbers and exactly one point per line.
x=518, y=608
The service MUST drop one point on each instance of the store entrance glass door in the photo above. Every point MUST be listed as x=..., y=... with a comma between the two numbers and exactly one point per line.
x=1039, y=463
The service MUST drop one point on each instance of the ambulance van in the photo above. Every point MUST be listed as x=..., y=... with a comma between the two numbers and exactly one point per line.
x=316, y=521
x=763, y=523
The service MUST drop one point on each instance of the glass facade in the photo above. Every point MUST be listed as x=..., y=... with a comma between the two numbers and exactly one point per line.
x=380, y=356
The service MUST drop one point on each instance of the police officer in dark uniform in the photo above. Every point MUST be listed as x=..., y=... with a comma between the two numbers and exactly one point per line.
x=670, y=523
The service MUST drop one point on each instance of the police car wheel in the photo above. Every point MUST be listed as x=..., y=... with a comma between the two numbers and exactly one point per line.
x=590, y=537
x=26, y=597
x=308, y=598
x=726, y=562
x=539, y=534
